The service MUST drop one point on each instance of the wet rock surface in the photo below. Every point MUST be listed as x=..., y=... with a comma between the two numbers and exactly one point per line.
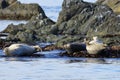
x=107, y=53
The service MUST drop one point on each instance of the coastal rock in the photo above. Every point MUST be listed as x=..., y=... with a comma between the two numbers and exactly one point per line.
x=6, y=3
x=87, y=19
x=10, y=1
x=77, y=20
x=13, y=29
x=18, y=11
x=35, y=29
x=113, y=4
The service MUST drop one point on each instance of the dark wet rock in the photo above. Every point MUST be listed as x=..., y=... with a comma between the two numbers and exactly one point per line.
x=18, y=11
x=52, y=47
x=75, y=54
x=108, y=52
x=115, y=51
x=2, y=43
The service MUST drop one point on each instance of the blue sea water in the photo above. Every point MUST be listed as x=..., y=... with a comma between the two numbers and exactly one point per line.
x=53, y=67
x=59, y=69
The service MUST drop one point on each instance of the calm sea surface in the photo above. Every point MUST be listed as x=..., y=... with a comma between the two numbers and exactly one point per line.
x=52, y=67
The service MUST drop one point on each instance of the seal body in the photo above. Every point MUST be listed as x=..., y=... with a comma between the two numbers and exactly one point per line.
x=75, y=47
x=95, y=46
x=19, y=50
